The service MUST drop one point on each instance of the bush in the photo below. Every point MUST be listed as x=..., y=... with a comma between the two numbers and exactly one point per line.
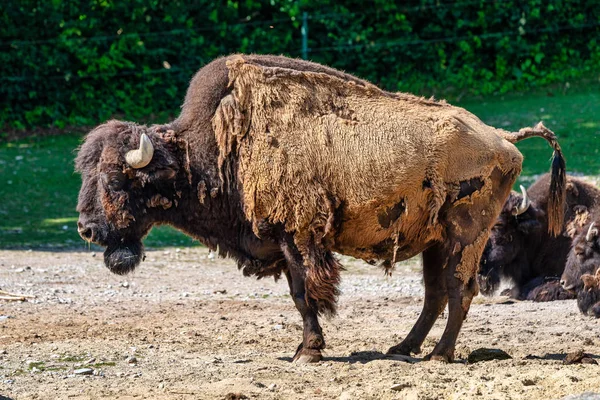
x=82, y=62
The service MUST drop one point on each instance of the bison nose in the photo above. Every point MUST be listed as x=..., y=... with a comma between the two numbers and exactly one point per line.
x=562, y=283
x=86, y=232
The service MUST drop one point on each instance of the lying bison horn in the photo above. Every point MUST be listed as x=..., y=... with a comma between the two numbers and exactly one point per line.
x=141, y=157
x=592, y=232
x=525, y=203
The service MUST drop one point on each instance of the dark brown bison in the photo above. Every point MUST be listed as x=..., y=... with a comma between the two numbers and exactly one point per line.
x=520, y=247
x=582, y=272
x=278, y=163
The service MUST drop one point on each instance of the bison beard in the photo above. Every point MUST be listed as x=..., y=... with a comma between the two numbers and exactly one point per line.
x=123, y=258
x=302, y=161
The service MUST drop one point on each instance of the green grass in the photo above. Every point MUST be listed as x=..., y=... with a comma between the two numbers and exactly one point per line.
x=574, y=116
x=38, y=196
x=38, y=188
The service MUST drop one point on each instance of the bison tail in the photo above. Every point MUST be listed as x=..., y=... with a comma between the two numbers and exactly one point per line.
x=558, y=181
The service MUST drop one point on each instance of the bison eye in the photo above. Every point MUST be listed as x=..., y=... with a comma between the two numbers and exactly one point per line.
x=114, y=180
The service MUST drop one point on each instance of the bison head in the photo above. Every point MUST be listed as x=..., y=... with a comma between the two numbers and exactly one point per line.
x=505, y=251
x=128, y=177
x=584, y=257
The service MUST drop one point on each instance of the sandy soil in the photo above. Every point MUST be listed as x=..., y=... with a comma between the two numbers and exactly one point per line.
x=188, y=326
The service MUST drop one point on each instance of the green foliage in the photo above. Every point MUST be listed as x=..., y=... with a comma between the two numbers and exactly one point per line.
x=81, y=62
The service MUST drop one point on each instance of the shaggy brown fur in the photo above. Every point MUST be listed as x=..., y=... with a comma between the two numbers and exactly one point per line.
x=588, y=298
x=301, y=160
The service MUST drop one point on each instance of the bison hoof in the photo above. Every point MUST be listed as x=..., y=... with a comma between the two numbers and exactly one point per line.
x=306, y=356
x=447, y=358
x=404, y=350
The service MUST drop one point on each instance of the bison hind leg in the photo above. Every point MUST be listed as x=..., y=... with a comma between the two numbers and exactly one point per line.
x=467, y=231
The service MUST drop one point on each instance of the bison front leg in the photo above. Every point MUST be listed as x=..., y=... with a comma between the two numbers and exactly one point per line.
x=435, y=259
x=312, y=341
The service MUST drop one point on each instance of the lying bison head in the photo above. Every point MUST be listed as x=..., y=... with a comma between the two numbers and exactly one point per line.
x=584, y=257
x=505, y=251
x=124, y=167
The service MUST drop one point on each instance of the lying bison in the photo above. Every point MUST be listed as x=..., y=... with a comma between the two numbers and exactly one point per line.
x=582, y=272
x=520, y=247
x=278, y=163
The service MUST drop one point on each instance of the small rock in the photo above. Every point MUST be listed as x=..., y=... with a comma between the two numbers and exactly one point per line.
x=125, y=284
x=90, y=361
x=258, y=384
x=185, y=294
x=83, y=371
x=588, y=342
x=574, y=357
x=278, y=327
x=484, y=354
x=161, y=385
x=220, y=291
x=588, y=360
x=132, y=360
x=399, y=386
x=272, y=387
x=528, y=382
x=235, y=396
x=93, y=254
x=3, y=351
x=9, y=381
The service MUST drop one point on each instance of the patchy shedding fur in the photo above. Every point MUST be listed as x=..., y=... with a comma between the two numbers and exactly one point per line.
x=299, y=109
x=159, y=201
x=201, y=191
x=469, y=263
x=115, y=207
x=580, y=219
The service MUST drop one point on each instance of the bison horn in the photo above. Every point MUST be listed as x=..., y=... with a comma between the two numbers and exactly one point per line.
x=525, y=203
x=592, y=232
x=141, y=157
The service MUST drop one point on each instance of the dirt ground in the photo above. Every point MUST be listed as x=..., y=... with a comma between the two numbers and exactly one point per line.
x=189, y=326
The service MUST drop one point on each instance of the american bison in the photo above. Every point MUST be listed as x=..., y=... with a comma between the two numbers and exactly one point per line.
x=279, y=162
x=582, y=272
x=520, y=247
